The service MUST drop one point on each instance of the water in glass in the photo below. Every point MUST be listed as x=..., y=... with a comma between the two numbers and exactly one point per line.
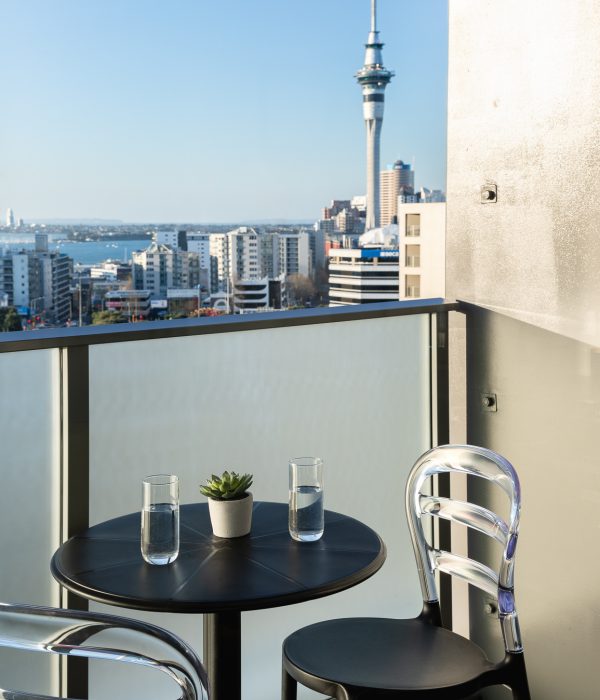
x=160, y=533
x=306, y=513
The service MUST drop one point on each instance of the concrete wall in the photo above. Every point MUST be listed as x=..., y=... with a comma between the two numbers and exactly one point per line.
x=524, y=99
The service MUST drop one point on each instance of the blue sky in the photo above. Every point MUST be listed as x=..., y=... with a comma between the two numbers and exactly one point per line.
x=198, y=111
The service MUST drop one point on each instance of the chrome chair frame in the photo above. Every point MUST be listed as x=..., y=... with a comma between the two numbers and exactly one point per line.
x=68, y=633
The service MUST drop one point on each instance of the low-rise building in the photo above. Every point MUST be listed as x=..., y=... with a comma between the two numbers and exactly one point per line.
x=259, y=294
x=131, y=303
x=363, y=275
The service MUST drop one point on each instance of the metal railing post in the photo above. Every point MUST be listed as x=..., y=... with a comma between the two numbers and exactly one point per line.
x=440, y=387
x=75, y=486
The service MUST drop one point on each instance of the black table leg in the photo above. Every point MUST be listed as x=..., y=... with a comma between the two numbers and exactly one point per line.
x=223, y=654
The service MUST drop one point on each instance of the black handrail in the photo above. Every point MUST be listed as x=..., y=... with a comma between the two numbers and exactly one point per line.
x=152, y=330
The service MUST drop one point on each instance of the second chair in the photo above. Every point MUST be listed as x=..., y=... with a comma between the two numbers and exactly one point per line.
x=371, y=658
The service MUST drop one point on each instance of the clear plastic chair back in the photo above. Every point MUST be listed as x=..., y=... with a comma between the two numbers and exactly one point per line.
x=102, y=637
x=499, y=584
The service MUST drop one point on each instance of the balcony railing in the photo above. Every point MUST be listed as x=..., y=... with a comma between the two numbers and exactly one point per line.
x=86, y=413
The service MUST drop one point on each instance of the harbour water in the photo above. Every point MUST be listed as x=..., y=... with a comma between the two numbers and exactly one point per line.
x=84, y=252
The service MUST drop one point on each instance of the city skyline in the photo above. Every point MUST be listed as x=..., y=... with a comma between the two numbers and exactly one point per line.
x=210, y=113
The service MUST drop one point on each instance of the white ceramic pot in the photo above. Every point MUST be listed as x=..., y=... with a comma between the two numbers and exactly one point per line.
x=231, y=518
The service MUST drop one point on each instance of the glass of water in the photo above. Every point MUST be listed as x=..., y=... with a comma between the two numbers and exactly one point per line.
x=160, y=518
x=306, y=498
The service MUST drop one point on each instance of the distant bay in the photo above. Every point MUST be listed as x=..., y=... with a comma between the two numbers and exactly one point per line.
x=84, y=252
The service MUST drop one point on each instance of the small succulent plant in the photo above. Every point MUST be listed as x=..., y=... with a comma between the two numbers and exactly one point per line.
x=228, y=487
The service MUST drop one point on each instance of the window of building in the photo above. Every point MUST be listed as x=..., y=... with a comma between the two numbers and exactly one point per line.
x=413, y=224
x=412, y=286
x=412, y=256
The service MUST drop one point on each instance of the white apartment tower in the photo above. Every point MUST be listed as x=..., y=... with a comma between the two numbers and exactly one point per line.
x=10, y=218
x=199, y=243
x=241, y=254
x=373, y=79
x=294, y=253
x=160, y=267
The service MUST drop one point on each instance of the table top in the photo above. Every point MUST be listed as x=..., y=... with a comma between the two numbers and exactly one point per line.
x=264, y=569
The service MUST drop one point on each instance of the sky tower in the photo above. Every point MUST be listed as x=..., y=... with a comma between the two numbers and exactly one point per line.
x=373, y=78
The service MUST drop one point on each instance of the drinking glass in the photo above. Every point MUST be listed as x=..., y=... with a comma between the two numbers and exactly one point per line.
x=306, y=498
x=160, y=518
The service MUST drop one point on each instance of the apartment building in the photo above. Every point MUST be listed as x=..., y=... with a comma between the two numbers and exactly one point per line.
x=294, y=253
x=422, y=237
x=161, y=267
x=38, y=282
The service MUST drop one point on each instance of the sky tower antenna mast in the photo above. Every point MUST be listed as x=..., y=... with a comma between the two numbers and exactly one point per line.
x=373, y=79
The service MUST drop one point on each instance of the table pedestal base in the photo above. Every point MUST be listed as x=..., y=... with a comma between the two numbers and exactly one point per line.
x=223, y=654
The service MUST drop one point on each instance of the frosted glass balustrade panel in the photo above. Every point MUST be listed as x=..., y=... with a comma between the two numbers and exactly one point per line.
x=29, y=497
x=354, y=393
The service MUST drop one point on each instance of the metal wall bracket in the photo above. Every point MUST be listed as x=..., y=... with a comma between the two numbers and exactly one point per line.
x=489, y=402
x=489, y=193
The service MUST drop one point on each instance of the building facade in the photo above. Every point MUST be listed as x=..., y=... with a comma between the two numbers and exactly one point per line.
x=160, y=267
x=363, y=275
x=397, y=180
x=259, y=294
x=131, y=303
x=38, y=283
x=294, y=253
x=422, y=240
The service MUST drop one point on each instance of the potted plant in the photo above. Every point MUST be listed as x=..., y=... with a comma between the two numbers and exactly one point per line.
x=229, y=503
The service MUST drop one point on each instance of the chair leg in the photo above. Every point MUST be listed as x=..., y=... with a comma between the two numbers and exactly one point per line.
x=518, y=680
x=520, y=689
x=289, y=687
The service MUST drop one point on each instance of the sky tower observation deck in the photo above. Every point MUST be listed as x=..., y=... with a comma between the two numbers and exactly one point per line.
x=373, y=78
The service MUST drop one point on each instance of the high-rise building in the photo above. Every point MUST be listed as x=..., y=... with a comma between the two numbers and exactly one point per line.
x=10, y=218
x=199, y=243
x=397, y=180
x=336, y=206
x=38, y=281
x=174, y=239
x=161, y=267
x=294, y=253
x=373, y=79
x=56, y=271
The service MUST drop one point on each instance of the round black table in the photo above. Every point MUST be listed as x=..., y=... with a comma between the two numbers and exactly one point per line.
x=219, y=578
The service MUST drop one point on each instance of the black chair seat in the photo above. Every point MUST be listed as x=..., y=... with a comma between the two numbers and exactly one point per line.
x=408, y=656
